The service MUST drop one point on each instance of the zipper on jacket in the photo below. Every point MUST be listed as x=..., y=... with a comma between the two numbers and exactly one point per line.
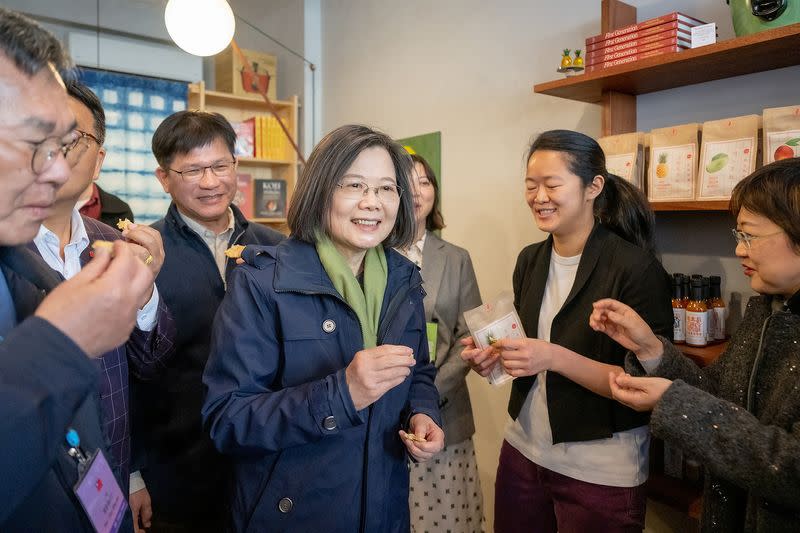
x=750, y=400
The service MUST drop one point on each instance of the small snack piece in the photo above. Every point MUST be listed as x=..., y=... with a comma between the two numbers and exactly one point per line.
x=123, y=224
x=414, y=438
x=235, y=251
x=491, y=339
x=108, y=245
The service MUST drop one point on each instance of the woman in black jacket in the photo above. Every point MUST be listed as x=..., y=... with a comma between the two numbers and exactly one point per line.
x=573, y=459
x=741, y=415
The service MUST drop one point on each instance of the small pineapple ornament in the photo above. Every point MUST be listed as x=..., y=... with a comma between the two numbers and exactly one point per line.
x=566, y=61
x=578, y=61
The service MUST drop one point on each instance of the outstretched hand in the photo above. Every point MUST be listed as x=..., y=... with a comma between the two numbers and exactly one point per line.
x=626, y=327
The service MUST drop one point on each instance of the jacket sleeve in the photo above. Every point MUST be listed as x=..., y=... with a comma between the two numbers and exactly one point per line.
x=731, y=442
x=44, y=378
x=244, y=411
x=423, y=398
x=648, y=293
x=149, y=351
x=453, y=370
x=674, y=365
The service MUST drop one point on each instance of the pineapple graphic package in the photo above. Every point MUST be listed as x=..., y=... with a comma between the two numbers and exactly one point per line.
x=491, y=322
x=673, y=163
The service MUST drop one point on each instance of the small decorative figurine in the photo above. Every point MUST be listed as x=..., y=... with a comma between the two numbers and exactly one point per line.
x=569, y=66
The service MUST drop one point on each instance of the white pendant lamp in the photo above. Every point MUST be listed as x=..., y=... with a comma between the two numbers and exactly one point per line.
x=200, y=27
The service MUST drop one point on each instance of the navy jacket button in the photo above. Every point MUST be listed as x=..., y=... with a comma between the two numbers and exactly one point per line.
x=329, y=326
x=329, y=423
x=285, y=505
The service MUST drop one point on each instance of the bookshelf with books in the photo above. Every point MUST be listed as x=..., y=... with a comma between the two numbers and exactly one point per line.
x=273, y=160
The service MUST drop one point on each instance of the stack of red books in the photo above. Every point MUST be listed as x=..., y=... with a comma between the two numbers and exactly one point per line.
x=660, y=35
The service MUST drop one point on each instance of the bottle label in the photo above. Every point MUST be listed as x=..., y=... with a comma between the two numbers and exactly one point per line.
x=711, y=324
x=678, y=324
x=719, y=323
x=696, y=327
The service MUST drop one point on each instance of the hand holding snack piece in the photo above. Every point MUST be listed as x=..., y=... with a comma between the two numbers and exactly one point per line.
x=424, y=439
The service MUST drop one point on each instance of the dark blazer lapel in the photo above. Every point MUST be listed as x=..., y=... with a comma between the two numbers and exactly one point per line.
x=589, y=257
x=24, y=266
x=433, y=263
x=533, y=299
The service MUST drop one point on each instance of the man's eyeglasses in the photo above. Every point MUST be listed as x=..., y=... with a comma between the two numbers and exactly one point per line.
x=74, y=151
x=45, y=153
x=746, y=238
x=356, y=190
x=220, y=169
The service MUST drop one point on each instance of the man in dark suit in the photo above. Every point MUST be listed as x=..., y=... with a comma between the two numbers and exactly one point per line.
x=64, y=242
x=186, y=477
x=47, y=380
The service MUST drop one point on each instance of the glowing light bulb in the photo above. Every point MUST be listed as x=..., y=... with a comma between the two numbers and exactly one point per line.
x=200, y=27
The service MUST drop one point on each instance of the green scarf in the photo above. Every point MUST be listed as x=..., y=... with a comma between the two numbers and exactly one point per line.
x=367, y=302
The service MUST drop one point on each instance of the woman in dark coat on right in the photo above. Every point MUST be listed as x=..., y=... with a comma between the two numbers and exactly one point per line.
x=741, y=415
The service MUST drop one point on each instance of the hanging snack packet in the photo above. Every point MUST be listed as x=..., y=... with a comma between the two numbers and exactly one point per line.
x=729, y=152
x=625, y=156
x=673, y=163
x=781, y=133
x=491, y=322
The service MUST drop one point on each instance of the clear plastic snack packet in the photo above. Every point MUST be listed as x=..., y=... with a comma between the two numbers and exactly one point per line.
x=493, y=321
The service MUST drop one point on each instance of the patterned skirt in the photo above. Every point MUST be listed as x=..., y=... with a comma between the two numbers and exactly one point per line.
x=445, y=495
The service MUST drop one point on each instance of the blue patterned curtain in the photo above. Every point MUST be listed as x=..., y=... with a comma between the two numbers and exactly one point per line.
x=134, y=106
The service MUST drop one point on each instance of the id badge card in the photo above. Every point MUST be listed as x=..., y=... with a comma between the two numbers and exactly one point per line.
x=432, y=328
x=99, y=493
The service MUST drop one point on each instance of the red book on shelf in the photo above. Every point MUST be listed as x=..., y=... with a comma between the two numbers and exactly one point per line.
x=637, y=38
x=602, y=56
x=670, y=17
x=245, y=137
x=634, y=57
x=244, y=194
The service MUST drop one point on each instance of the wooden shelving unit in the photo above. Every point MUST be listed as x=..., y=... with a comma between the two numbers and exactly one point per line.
x=691, y=205
x=616, y=88
x=237, y=108
x=768, y=50
x=703, y=356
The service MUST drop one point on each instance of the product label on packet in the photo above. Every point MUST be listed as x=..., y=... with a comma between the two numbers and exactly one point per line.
x=621, y=165
x=506, y=327
x=724, y=165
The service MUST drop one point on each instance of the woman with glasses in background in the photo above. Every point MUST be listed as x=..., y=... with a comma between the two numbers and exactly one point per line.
x=446, y=494
x=741, y=415
x=319, y=384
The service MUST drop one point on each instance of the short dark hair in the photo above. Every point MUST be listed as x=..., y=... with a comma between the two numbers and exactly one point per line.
x=330, y=159
x=621, y=207
x=772, y=191
x=31, y=47
x=434, y=220
x=86, y=96
x=182, y=132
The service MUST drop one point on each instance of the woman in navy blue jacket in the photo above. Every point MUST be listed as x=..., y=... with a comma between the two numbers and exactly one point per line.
x=319, y=364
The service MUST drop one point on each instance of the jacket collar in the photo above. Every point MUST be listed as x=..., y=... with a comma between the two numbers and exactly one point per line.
x=298, y=268
x=240, y=223
x=21, y=265
x=589, y=256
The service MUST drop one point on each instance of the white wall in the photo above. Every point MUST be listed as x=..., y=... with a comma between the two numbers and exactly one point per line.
x=465, y=68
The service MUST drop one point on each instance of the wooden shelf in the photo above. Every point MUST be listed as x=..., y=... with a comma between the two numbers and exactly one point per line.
x=703, y=356
x=691, y=205
x=233, y=100
x=264, y=162
x=767, y=50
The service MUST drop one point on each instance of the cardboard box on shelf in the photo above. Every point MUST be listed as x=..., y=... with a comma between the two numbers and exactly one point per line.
x=230, y=75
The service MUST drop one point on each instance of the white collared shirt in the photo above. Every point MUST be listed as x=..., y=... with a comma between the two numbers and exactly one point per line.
x=216, y=242
x=414, y=252
x=49, y=247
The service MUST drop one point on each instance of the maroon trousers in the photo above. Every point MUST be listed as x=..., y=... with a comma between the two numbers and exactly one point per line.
x=531, y=499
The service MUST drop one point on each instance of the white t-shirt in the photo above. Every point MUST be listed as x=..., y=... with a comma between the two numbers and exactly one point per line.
x=620, y=461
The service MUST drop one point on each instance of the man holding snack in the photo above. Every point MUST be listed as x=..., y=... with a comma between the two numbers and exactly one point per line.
x=50, y=428
x=64, y=241
x=186, y=478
